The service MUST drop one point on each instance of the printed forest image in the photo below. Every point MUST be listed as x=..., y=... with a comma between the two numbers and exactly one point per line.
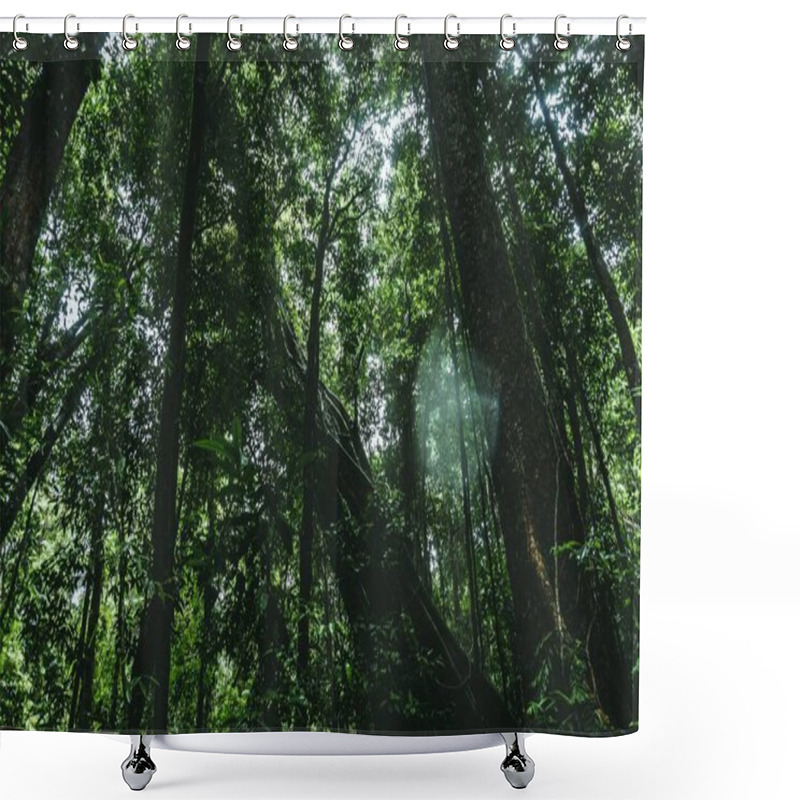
x=320, y=386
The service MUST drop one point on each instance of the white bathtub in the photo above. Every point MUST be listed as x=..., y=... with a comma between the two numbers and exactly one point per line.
x=138, y=768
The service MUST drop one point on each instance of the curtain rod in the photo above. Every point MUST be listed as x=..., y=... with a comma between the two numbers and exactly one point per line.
x=408, y=25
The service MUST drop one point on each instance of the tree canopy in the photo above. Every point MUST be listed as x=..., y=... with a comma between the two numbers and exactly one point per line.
x=320, y=386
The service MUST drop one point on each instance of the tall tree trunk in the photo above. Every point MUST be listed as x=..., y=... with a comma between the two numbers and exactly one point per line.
x=598, y=447
x=411, y=471
x=206, y=580
x=531, y=274
x=422, y=503
x=85, y=699
x=407, y=471
x=579, y=457
x=80, y=661
x=30, y=174
x=493, y=574
x=48, y=358
x=310, y=467
x=454, y=566
x=377, y=580
x=469, y=543
x=536, y=510
x=329, y=655
x=266, y=670
x=630, y=360
x=151, y=668
x=523, y=461
x=120, y=643
x=20, y=564
x=37, y=460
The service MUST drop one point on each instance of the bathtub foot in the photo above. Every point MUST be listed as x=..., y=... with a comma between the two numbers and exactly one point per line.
x=517, y=766
x=138, y=768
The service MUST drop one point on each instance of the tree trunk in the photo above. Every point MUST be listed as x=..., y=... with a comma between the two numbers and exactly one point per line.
x=579, y=457
x=151, y=667
x=30, y=174
x=537, y=512
x=407, y=471
x=20, y=564
x=523, y=462
x=85, y=700
x=469, y=543
x=411, y=471
x=207, y=572
x=492, y=571
x=48, y=358
x=121, y=637
x=630, y=360
x=531, y=273
x=422, y=504
x=598, y=447
x=310, y=442
x=77, y=675
x=377, y=581
x=12, y=504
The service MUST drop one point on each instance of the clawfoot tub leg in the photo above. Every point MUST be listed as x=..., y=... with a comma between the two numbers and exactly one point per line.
x=138, y=768
x=517, y=766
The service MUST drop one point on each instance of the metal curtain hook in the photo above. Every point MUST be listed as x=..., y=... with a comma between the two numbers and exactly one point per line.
x=233, y=44
x=19, y=43
x=288, y=42
x=181, y=42
x=450, y=41
x=506, y=42
x=400, y=42
x=561, y=42
x=128, y=42
x=623, y=44
x=345, y=42
x=70, y=42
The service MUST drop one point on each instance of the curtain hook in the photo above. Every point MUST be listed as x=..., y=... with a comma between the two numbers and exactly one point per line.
x=288, y=42
x=561, y=42
x=506, y=42
x=19, y=43
x=623, y=44
x=345, y=42
x=450, y=41
x=128, y=42
x=400, y=42
x=181, y=42
x=233, y=44
x=70, y=42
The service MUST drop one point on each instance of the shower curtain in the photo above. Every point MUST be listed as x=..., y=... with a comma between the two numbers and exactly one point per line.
x=321, y=385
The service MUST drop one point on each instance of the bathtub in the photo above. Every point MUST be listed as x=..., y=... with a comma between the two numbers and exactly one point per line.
x=139, y=766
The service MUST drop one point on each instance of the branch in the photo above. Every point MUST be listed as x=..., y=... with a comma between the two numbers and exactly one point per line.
x=339, y=215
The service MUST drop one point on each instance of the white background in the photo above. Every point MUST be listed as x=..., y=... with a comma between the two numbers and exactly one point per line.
x=720, y=605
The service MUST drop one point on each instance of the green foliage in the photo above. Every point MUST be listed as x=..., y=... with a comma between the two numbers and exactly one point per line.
x=96, y=326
